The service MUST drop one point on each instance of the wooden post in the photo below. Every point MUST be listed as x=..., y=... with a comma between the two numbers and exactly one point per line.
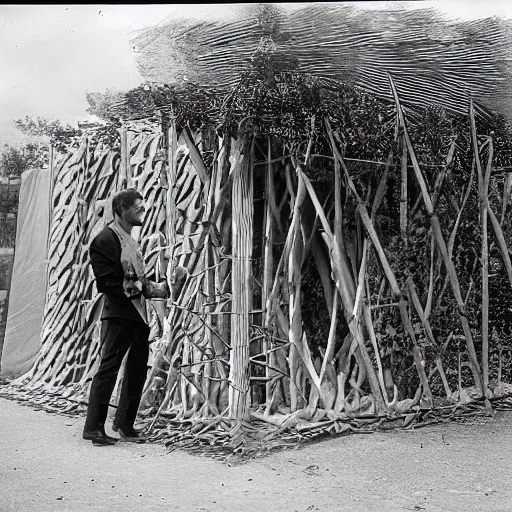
x=125, y=157
x=50, y=214
x=170, y=198
x=242, y=234
x=483, y=199
x=294, y=289
x=268, y=266
x=403, y=191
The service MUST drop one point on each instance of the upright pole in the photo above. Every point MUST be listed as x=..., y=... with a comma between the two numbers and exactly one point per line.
x=125, y=156
x=268, y=257
x=242, y=234
x=50, y=213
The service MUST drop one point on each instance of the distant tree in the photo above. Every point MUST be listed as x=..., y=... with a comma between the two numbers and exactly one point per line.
x=100, y=102
x=40, y=126
x=53, y=131
x=14, y=161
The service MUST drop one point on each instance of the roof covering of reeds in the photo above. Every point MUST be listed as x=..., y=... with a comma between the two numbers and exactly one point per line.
x=431, y=60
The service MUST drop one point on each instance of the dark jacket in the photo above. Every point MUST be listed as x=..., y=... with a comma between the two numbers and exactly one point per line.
x=105, y=254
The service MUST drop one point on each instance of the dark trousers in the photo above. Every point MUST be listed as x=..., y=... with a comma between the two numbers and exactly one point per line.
x=117, y=337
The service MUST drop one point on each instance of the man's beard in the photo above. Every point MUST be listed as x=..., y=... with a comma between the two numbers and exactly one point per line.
x=137, y=221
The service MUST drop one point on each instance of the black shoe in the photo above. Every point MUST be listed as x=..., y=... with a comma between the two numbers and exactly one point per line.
x=99, y=437
x=129, y=434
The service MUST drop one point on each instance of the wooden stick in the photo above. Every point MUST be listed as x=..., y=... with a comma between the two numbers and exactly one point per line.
x=442, y=175
x=294, y=286
x=371, y=332
x=483, y=193
x=268, y=256
x=242, y=232
x=125, y=156
x=338, y=219
x=430, y=293
x=381, y=189
x=403, y=191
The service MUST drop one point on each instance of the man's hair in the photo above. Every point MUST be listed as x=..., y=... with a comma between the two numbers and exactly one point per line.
x=124, y=200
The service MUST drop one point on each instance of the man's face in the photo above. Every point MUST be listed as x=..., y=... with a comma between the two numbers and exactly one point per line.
x=134, y=215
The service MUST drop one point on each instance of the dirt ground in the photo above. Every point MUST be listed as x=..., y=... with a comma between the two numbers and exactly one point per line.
x=45, y=466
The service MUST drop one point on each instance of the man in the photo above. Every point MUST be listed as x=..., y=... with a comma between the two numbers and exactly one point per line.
x=118, y=267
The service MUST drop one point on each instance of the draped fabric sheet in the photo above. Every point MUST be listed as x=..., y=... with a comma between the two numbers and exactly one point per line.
x=27, y=296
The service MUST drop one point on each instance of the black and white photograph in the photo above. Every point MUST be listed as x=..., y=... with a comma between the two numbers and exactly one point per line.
x=256, y=257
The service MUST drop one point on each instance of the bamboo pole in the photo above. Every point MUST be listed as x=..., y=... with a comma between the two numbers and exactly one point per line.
x=51, y=186
x=381, y=188
x=210, y=272
x=338, y=219
x=242, y=234
x=403, y=191
x=125, y=156
x=483, y=196
x=442, y=175
x=170, y=197
x=268, y=256
x=294, y=272
x=430, y=292
x=450, y=267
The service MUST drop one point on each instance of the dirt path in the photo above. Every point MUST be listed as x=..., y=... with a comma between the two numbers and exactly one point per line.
x=45, y=466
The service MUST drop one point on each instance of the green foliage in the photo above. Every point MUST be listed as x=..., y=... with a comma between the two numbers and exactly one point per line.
x=58, y=134
x=41, y=126
x=15, y=161
x=100, y=103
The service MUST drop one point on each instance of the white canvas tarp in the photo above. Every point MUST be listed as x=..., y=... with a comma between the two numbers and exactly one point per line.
x=27, y=295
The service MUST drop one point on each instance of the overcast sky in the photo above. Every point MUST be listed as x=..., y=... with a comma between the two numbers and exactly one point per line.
x=50, y=55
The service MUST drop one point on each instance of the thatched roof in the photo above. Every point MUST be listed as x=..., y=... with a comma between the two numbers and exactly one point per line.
x=430, y=59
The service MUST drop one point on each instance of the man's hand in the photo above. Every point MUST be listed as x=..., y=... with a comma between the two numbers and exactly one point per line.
x=178, y=278
x=152, y=290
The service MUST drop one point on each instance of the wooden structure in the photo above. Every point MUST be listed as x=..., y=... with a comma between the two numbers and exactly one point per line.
x=263, y=240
